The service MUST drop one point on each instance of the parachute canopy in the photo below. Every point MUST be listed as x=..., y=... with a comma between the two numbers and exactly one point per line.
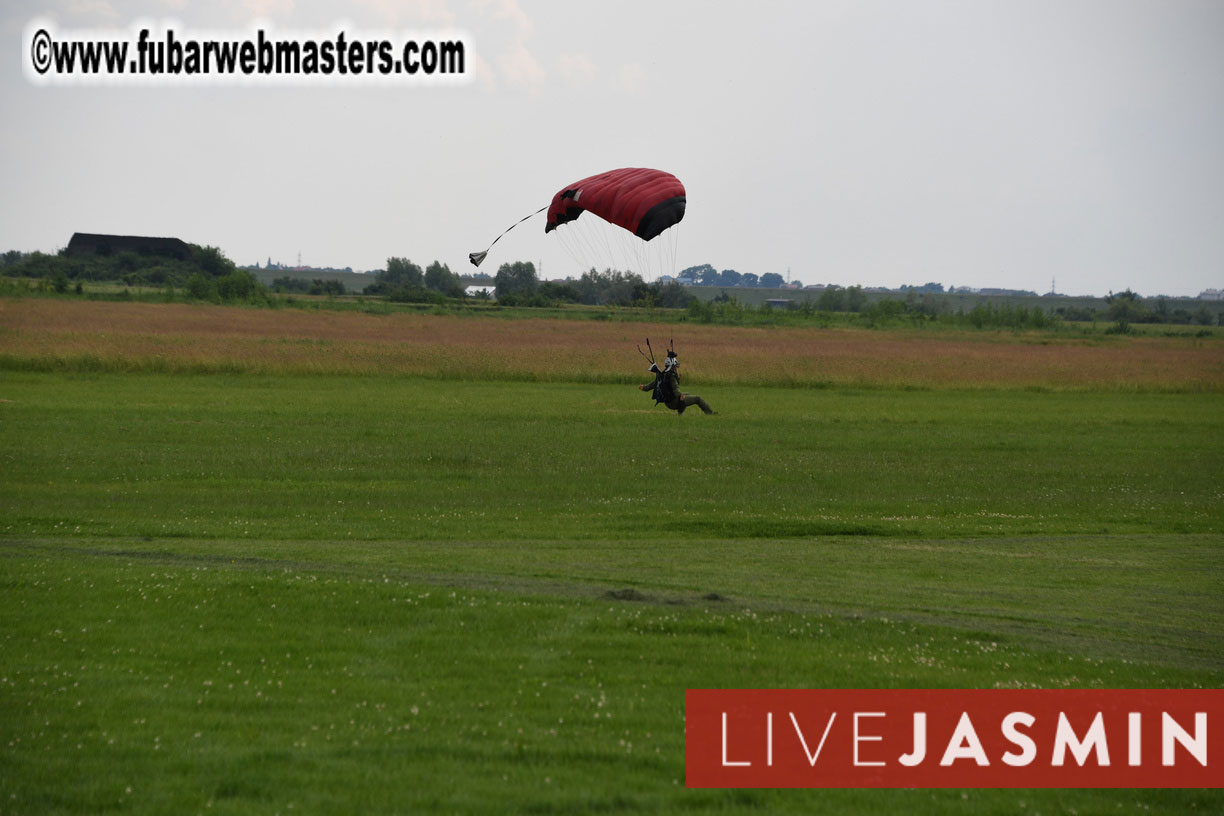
x=645, y=202
x=633, y=206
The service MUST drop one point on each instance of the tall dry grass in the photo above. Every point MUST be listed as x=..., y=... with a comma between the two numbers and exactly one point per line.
x=44, y=334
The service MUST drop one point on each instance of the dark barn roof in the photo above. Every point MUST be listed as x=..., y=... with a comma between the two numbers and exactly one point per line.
x=86, y=243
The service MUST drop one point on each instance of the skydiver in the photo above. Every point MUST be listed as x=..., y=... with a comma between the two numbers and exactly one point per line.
x=666, y=386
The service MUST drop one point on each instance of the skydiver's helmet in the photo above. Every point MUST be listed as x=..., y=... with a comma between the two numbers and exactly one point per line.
x=672, y=361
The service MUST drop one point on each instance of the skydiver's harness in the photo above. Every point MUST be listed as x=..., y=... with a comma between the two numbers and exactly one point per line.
x=666, y=388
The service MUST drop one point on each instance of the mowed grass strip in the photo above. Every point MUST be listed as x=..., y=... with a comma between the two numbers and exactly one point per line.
x=1150, y=599
x=365, y=458
x=68, y=335
x=238, y=685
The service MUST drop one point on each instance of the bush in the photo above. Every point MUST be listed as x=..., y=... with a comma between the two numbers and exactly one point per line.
x=237, y=285
x=331, y=288
x=1005, y=316
x=415, y=294
x=886, y=309
x=701, y=311
x=202, y=287
x=559, y=292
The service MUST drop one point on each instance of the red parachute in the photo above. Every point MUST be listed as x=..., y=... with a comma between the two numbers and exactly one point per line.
x=633, y=205
x=641, y=200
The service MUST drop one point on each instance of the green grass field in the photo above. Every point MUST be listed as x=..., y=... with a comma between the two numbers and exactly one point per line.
x=320, y=594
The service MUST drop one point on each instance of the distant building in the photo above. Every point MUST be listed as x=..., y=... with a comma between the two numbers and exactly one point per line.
x=1211, y=294
x=779, y=303
x=87, y=243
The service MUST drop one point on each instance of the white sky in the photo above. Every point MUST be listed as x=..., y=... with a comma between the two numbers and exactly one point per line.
x=876, y=143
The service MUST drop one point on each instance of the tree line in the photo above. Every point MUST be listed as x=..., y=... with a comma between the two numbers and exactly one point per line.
x=1128, y=307
x=707, y=275
x=405, y=282
x=205, y=274
x=516, y=284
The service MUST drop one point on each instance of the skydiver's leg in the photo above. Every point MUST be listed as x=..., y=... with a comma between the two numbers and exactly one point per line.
x=692, y=399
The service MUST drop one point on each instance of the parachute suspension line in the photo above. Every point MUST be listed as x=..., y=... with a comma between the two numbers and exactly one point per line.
x=570, y=236
x=577, y=240
x=596, y=245
x=589, y=249
x=611, y=254
x=477, y=257
x=592, y=243
x=646, y=261
x=675, y=246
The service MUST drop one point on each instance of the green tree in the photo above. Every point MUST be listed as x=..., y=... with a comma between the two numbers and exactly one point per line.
x=516, y=279
x=212, y=261
x=671, y=296
x=771, y=280
x=401, y=272
x=855, y=299
x=1126, y=308
x=832, y=299
x=400, y=277
x=611, y=287
x=698, y=273
x=440, y=278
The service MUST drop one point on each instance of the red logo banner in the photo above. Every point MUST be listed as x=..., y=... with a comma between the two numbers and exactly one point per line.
x=955, y=738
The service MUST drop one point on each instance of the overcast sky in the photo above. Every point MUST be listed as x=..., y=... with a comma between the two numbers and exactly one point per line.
x=875, y=143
